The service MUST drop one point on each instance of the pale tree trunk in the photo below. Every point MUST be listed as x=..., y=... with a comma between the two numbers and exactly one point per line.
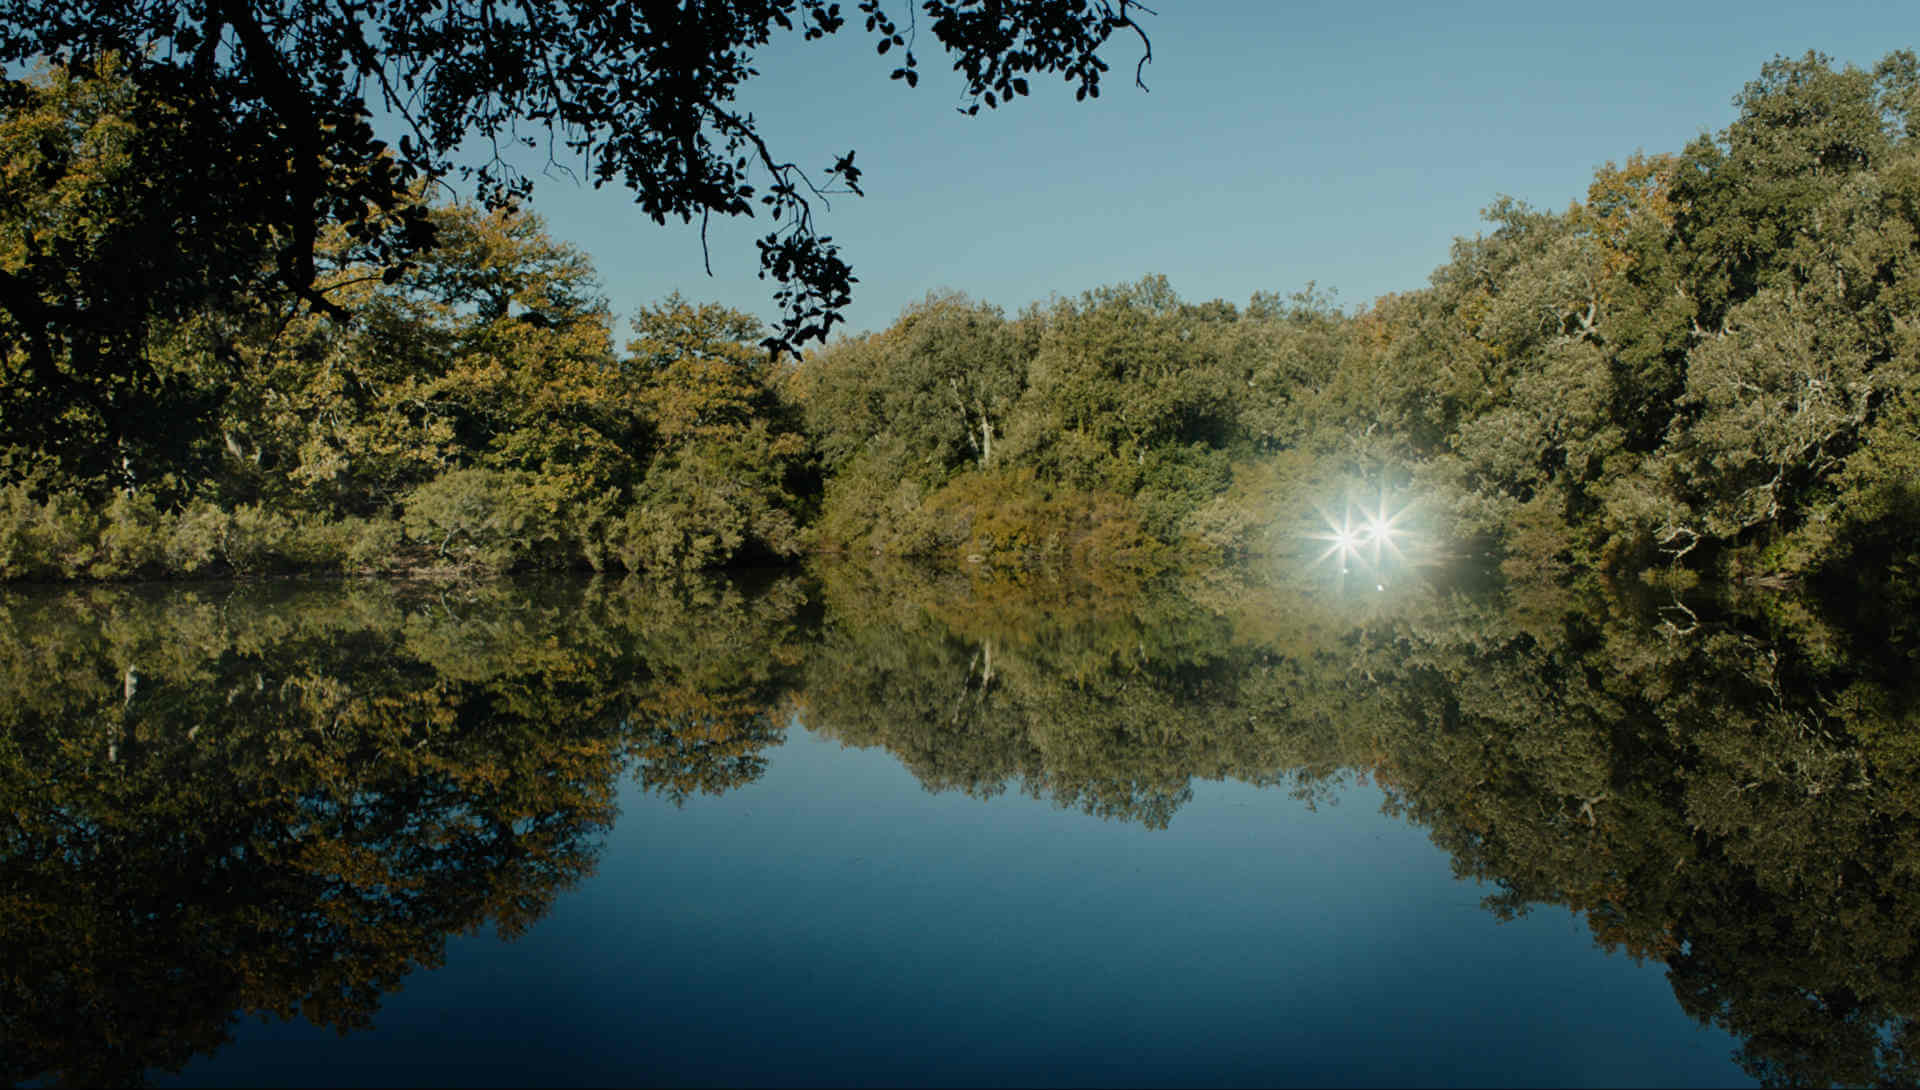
x=129, y=685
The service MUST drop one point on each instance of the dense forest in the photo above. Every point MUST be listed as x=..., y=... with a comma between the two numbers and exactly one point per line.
x=1710, y=362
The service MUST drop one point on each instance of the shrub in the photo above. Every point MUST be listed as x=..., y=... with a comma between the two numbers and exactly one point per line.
x=1013, y=519
x=313, y=543
x=51, y=540
x=256, y=540
x=374, y=544
x=488, y=518
x=133, y=538
x=195, y=539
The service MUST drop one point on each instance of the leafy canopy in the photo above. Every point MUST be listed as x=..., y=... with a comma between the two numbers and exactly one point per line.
x=276, y=101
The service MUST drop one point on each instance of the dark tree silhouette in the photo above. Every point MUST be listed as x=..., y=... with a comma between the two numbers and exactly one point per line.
x=276, y=99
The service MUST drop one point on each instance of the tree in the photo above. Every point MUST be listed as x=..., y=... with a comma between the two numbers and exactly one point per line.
x=83, y=230
x=720, y=480
x=943, y=378
x=273, y=107
x=495, y=351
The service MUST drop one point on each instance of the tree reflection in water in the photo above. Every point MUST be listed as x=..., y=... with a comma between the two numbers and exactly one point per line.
x=1731, y=788
x=283, y=800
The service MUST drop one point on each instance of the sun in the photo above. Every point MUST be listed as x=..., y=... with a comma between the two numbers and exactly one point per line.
x=1373, y=536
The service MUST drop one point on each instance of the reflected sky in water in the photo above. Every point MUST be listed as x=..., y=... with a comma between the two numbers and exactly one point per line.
x=851, y=828
x=835, y=923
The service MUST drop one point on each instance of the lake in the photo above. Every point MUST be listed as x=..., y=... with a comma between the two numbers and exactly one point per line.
x=855, y=828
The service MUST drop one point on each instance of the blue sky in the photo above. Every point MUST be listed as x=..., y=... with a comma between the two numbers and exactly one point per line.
x=1342, y=143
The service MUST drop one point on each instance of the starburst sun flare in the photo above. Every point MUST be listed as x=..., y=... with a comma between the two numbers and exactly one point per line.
x=1373, y=536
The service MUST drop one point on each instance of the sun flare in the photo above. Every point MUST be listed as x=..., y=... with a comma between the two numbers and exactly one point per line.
x=1362, y=535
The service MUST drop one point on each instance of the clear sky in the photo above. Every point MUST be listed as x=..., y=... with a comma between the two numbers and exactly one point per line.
x=1345, y=143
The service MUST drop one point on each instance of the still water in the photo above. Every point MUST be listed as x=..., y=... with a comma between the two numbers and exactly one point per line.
x=834, y=923
x=844, y=830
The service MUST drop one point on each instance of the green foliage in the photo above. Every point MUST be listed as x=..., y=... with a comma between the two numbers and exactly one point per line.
x=193, y=543
x=374, y=544
x=930, y=395
x=132, y=540
x=47, y=539
x=275, y=111
x=1704, y=363
x=86, y=227
x=130, y=537
x=699, y=374
x=1010, y=518
x=871, y=500
x=1264, y=509
x=722, y=483
x=484, y=517
x=474, y=403
x=1677, y=369
x=703, y=509
x=1093, y=429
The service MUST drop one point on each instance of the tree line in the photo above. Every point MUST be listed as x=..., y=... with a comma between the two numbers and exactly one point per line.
x=1708, y=362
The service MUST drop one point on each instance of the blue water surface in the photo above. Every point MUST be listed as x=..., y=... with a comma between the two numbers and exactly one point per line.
x=832, y=923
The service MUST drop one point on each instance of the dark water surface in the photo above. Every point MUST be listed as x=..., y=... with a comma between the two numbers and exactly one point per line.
x=878, y=831
x=834, y=923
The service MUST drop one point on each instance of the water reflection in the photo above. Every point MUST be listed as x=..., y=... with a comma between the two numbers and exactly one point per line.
x=284, y=799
